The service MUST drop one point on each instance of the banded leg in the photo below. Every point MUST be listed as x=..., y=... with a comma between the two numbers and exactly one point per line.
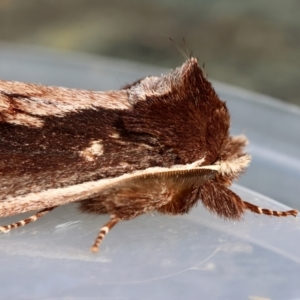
x=7, y=228
x=269, y=212
x=103, y=232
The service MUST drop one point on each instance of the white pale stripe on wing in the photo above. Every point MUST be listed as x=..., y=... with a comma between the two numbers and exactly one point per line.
x=73, y=193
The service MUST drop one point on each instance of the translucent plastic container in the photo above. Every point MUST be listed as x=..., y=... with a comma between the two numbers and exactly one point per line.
x=195, y=256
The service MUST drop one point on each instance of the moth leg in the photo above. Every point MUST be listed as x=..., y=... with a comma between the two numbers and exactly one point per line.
x=103, y=232
x=7, y=228
x=258, y=210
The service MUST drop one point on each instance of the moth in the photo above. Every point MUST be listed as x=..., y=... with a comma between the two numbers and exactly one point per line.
x=159, y=144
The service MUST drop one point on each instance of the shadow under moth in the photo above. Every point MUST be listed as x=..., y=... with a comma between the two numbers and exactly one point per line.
x=160, y=144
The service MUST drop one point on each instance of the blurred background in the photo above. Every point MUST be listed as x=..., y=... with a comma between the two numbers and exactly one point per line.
x=250, y=44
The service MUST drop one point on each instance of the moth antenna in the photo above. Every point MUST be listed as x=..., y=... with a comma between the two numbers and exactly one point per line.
x=103, y=232
x=185, y=55
x=258, y=210
x=41, y=213
x=189, y=53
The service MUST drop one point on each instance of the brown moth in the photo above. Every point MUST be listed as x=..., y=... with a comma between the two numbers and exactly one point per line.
x=160, y=144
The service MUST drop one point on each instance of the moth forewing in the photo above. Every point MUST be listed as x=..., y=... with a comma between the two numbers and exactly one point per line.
x=159, y=144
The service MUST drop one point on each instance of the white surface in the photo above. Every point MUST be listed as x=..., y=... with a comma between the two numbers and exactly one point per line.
x=154, y=257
